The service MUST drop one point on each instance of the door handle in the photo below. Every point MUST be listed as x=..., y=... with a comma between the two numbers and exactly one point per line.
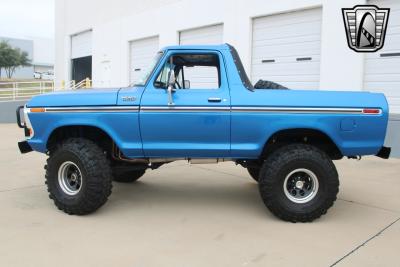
x=214, y=99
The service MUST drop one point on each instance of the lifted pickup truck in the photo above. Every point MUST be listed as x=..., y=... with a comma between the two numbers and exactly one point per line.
x=196, y=103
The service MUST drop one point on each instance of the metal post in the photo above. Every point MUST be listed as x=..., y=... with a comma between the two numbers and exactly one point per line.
x=14, y=90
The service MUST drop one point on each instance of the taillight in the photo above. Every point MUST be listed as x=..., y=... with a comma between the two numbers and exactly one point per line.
x=371, y=111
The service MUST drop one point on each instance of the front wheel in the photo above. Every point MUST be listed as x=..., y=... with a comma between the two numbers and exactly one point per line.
x=298, y=183
x=78, y=176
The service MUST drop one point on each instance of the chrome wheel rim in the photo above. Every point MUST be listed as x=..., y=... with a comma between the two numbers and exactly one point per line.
x=301, y=185
x=70, y=178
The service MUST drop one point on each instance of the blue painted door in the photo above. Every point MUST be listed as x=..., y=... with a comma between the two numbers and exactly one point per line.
x=197, y=125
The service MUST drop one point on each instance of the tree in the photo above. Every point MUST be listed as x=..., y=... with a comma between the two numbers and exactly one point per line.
x=3, y=47
x=12, y=58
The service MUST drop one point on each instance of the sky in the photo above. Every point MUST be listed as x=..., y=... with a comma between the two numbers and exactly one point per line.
x=27, y=18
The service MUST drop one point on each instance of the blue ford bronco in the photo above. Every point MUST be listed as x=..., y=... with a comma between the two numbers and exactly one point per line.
x=196, y=103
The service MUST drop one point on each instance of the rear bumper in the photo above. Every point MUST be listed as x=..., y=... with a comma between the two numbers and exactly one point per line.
x=24, y=147
x=384, y=152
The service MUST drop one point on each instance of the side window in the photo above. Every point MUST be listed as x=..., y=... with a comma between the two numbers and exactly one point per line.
x=162, y=78
x=192, y=71
x=202, y=77
x=179, y=77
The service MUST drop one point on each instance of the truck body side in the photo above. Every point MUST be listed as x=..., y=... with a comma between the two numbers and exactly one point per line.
x=287, y=139
x=239, y=127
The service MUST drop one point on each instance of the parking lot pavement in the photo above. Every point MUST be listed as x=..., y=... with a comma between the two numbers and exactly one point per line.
x=195, y=215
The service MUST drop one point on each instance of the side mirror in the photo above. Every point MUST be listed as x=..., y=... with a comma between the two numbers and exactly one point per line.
x=186, y=84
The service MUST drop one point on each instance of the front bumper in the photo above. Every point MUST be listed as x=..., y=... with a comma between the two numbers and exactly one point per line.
x=19, y=121
x=24, y=147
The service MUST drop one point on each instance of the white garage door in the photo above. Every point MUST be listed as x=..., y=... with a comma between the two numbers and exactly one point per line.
x=382, y=68
x=286, y=49
x=203, y=35
x=81, y=45
x=142, y=53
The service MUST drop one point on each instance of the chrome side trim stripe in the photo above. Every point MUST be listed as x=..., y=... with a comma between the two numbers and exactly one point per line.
x=93, y=109
x=299, y=110
x=184, y=109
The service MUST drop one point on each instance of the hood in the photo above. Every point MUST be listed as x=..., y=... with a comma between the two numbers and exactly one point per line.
x=80, y=97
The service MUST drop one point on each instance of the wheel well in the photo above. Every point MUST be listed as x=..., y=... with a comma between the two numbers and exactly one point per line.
x=306, y=136
x=92, y=133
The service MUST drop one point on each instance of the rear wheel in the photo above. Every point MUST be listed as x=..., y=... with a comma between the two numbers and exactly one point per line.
x=78, y=176
x=298, y=183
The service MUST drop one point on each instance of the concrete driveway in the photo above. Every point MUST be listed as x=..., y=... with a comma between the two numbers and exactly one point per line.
x=195, y=215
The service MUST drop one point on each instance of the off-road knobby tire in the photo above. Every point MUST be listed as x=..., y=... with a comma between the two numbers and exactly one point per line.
x=96, y=176
x=254, y=173
x=283, y=161
x=128, y=176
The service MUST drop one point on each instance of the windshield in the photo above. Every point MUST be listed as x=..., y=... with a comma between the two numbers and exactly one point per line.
x=146, y=74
